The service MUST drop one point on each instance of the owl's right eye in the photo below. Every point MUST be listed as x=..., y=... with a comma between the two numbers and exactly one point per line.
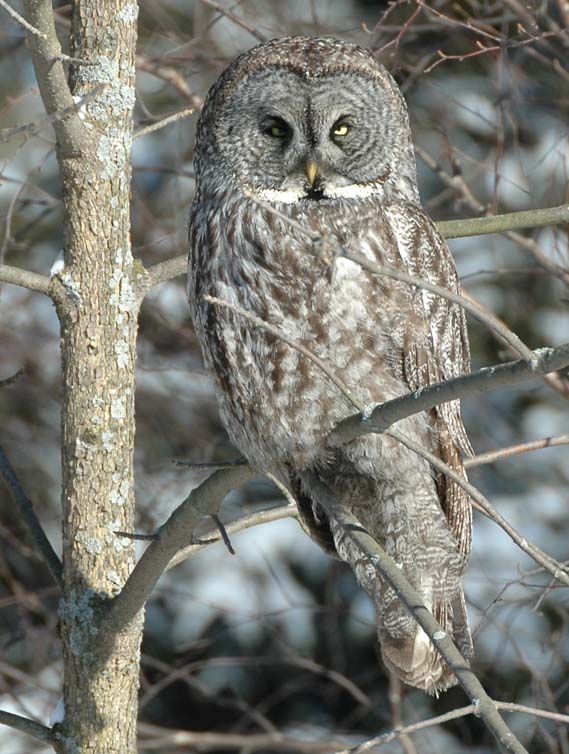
x=276, y=128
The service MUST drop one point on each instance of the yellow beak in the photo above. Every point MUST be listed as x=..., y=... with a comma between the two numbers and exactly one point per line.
x=311, y=170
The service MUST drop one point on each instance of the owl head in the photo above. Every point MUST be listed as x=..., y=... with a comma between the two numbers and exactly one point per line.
x=308, y=119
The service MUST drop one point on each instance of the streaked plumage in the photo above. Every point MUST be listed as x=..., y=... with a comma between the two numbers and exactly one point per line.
x=344, y=170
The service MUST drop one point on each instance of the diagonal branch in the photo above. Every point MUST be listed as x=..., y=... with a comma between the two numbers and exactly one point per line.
x=556, y=569
x=173, y=536
x=492, y=322
x=494, y=224
x=240, y=524
x=30, y=727
x=52, y=80
x=513, y=450
x=379, y=417
x=42, y=543
x=425, y=398
x=370, y=551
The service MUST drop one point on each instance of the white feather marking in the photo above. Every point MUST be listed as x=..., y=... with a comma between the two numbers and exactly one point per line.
x=291, y=196
x=288, y=196
x=354, y=190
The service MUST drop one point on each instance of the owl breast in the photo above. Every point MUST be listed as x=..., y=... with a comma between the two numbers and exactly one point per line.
x=276, y=404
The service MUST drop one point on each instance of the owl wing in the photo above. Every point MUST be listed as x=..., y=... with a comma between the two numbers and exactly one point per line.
x=437, y=351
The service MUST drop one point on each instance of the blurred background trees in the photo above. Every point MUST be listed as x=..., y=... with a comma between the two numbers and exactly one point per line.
x=279, y=637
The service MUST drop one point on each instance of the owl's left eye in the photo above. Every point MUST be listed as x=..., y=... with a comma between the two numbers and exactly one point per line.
x=276, y=127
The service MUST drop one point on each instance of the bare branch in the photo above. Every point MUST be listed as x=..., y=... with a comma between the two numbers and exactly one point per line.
x=164, y=271
x=247, y=522
x=537, y=218
x=237, y=20
x=224, y=535
x=554, y=379
x=42, y=543
x=558, y=570
x=492, y=322
x=166, y=737
x=30, y=727
x=30, y=129
x=555, y=716
x=24, y=278
x=174, y=535
x=10, y=380
x=379, y=417
x=513, y=450
x=210, y=464
x=164, y=122
x=459, y=186
x=369, y=550
x=50, y=74
x=451, y=715
x=22, y=21
x=172, y=76
x=407, y=729
x=531, y=218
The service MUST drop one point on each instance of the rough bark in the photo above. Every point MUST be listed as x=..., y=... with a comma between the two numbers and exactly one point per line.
x=98, y=333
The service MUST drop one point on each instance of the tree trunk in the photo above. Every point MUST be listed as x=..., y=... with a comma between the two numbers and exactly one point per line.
x=98, y=315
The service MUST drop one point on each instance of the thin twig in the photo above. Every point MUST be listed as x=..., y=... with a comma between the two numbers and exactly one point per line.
x=555, y=568
x=10, y=380
x=31, y=129
x=42, y=543
x=136, y=536
x=411, y=728
x=165, y=738
x=555, y=716
x=446, y=717
x=21, y=20
x=513, y=450
x=262, y=325
x=172, y=76
x=163, y=123
x=237, y=20
x=247, y=522
x=223, y=532
x=526, y=218
x=492, y=322
x=211, y=464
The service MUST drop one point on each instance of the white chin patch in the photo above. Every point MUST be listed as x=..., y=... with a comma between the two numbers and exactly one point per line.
x=291, y=196
x=285, y=196
x=354, y=190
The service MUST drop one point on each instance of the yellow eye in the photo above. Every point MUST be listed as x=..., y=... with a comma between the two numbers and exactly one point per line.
x=277, y=131
x=341, y=130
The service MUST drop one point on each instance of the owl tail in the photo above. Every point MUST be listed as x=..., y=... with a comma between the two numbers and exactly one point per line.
x=415, y=660
x=405, y=647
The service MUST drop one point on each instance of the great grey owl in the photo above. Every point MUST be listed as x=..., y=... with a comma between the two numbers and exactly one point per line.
x=310, y=136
